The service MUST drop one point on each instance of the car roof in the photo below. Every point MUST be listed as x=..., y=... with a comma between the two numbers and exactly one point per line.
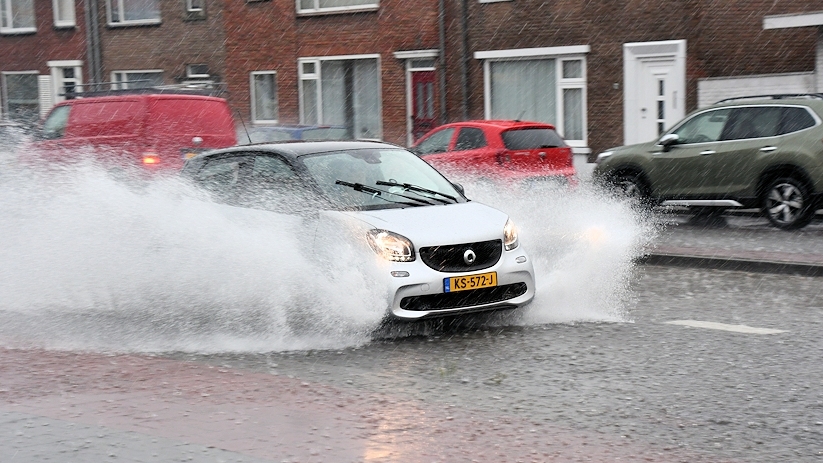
x=295, y=149
x=807, y=99
x=501, y=124
x=136, y=97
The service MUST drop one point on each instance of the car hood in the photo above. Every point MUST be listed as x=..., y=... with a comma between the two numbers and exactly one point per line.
x=437, y=225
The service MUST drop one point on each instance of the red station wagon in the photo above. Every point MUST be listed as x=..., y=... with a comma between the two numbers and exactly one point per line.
x=506, y=150
x=155, y=131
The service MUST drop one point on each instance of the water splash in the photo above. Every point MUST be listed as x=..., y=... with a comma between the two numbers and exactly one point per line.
x=90, y=262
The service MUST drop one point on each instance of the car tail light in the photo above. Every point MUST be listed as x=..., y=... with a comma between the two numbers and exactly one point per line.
x=150, y=158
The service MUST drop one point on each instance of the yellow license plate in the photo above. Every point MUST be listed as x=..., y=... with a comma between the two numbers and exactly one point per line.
x=467, y=282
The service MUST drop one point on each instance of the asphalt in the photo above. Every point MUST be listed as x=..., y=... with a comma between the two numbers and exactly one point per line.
x=96, y=407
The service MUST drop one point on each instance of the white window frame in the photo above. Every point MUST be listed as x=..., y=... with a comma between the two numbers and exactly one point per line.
x=7, y=6
x=122, y=22
x=58, y=81
x=559, y=55
x=253, y=97
x=68, y=20
x=117, y=76
x=4, y=96
x=317, y=75
x=337, y=9
x=194, y=9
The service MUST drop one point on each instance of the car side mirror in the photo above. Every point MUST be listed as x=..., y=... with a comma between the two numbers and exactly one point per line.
x=668, y=140
x=459, y=188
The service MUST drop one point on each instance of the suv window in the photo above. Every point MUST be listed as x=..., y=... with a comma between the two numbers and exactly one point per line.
x=753, y=122
x=437, y=142
x=795, y=119
x=470, y=138
x=527, y=139
x=55, y=125
x=702, y=128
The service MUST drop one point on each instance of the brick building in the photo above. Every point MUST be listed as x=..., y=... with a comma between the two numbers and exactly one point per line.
x=605, y=72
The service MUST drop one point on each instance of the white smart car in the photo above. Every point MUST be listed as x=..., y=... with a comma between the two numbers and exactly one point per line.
x=441, y=253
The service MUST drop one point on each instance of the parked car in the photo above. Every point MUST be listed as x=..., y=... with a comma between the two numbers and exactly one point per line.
x=275, y=133
x=156, y=131
x=753, y=152
x=440, y=253
x=508, y=150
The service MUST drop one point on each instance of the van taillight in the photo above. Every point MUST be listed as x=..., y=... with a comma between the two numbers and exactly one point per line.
x=150, y=158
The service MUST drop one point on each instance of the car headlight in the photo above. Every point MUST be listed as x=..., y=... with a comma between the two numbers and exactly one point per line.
x=510, y=240
x=603, y=156
x=391, y=246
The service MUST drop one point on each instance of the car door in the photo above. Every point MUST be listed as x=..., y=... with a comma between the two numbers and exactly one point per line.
x=682, y=170
x=750, y=134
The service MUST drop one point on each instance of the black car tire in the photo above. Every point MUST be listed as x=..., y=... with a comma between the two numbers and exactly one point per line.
x=786, y=202
x=633, y=186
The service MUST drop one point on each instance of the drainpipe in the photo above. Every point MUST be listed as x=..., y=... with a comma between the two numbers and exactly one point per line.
x=441, y=20
x=464, y=58
x=93, y=58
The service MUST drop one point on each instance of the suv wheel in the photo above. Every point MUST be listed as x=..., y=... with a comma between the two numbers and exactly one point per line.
x=633, y=186
x=787, y=204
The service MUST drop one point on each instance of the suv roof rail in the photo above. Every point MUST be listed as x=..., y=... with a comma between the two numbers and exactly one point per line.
x=206, y=88
x=777, y=96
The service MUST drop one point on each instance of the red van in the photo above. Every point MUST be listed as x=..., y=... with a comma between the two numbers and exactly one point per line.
x=156, y=131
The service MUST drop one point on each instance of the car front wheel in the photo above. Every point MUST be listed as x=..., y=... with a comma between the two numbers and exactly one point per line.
x=633, y=186
x=787, y=203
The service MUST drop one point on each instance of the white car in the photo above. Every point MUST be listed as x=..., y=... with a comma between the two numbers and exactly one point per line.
x=441, y=253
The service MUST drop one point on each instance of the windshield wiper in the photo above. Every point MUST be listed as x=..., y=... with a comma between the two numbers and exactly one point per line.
x=378, y=193
x=420, y=189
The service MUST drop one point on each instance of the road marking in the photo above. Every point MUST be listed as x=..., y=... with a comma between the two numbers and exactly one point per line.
x=725, y=327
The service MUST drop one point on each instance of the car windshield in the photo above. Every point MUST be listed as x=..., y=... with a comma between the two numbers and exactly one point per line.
x=379, y=178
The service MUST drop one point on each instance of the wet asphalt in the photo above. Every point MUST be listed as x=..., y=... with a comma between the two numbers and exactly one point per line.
x=716, y=359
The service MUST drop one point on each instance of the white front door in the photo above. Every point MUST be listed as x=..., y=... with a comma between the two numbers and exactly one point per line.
x=655, y=89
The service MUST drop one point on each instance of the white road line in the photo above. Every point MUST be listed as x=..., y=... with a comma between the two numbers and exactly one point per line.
x=724, y=327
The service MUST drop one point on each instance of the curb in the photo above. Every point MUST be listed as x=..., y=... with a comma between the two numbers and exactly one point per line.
x=732, y=263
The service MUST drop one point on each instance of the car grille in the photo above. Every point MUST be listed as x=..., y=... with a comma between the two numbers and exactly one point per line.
x=450, y=258
x=462, y=299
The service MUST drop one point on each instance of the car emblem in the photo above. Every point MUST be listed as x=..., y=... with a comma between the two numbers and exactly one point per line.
x=469, y=257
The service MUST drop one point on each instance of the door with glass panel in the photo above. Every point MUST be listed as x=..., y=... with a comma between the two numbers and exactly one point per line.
x=423, y=117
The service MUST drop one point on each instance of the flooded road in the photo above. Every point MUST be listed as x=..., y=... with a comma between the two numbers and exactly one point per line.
x=92, y=262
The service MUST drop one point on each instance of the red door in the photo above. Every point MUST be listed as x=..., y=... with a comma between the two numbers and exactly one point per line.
x=423, y=103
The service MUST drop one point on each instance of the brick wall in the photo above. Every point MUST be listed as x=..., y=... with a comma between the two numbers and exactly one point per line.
x=169, y=46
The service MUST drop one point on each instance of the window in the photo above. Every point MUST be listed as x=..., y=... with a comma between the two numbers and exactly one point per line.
x=195, y=10
x=194, y=5
x=264, y=97
x=55, y=125
x=63, y=13
x=332, y=6
x=17, y=16
x=20, y=96
x=796, y=119
x=344, y=92
x=67, y=78
x=197, y=71
x=538, y=84
x=470, y=138
x=702, y=128
x=136, y=79
x=438, y=142
x=133, y=12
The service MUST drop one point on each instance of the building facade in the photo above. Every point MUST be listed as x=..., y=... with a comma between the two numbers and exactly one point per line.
x=604, y=72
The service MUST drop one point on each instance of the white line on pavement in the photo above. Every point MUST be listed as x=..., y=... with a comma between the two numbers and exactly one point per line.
x=725, y=327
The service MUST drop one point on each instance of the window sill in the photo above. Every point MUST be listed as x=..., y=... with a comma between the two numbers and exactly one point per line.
x=151, y=22
x=21, y=31
x=335, y=11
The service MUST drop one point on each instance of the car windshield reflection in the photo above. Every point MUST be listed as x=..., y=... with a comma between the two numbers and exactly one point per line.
x=378, y=178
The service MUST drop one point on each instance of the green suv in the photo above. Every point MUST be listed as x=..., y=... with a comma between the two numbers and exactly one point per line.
x=761, y=152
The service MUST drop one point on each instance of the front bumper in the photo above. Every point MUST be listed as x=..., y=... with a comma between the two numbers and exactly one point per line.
x=421, y=295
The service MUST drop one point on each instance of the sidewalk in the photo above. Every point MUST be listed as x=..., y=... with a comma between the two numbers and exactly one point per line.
x=738, y=241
